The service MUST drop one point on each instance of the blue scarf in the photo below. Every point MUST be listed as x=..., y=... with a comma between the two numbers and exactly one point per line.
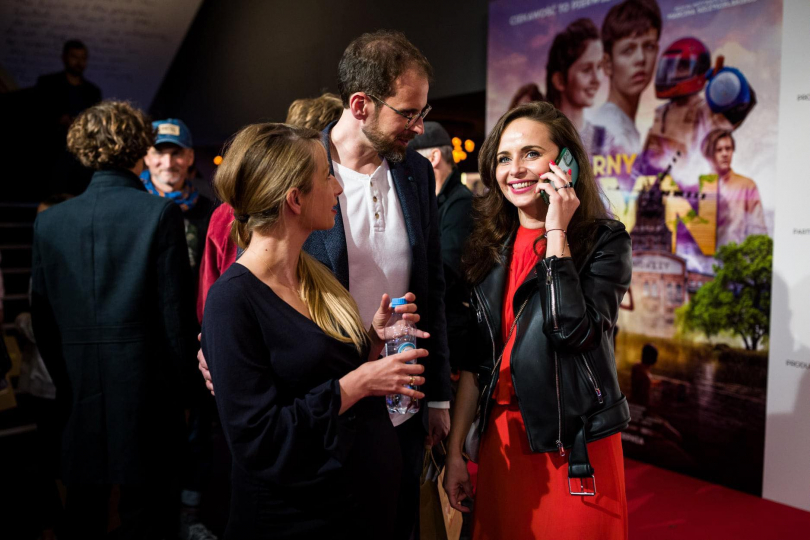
x=185, y=198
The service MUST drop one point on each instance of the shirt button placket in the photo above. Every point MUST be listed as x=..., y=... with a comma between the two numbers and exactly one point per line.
x=376, y=206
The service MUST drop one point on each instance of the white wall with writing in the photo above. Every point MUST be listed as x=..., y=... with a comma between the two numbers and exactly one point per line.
x=786, y=477
x=131, y=42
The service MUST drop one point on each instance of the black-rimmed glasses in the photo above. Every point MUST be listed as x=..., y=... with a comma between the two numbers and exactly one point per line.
x=410, y=117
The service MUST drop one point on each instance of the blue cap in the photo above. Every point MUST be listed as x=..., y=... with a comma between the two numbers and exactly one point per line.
x=172, y=131
x=398, y=302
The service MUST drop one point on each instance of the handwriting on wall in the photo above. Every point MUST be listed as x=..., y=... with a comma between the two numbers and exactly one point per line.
x=131, y=42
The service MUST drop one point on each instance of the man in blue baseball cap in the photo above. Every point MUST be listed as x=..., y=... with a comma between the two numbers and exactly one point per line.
x=168, y=164
x=167, y=175
x=169, y=160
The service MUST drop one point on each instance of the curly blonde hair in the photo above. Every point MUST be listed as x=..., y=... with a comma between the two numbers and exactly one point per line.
x=110, y=135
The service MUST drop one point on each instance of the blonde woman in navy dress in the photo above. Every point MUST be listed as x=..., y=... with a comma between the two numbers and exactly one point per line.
x=298, y=387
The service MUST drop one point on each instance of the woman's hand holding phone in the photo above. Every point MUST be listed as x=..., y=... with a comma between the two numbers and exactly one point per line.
x=557, y=188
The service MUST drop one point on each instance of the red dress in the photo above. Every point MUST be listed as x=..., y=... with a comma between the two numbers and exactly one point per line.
x=524, y=495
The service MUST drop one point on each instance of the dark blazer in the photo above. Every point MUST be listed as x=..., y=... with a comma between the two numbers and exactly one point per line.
x=112, y=309
x=416, y=189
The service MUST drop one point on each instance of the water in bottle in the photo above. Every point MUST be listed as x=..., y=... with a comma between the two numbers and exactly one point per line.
x=400, y=337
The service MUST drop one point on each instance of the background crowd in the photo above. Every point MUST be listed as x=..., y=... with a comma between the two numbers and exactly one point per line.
x=119, y=270
x=155, y=457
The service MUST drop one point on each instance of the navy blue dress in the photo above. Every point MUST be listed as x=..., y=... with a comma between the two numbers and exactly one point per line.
x=299, y=468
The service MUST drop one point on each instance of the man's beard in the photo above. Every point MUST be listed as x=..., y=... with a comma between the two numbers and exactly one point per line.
x=388, y=149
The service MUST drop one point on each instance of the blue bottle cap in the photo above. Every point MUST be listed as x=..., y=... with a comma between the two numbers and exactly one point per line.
x=398, y=302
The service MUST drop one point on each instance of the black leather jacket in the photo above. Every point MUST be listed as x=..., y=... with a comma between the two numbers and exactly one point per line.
x=562, y=363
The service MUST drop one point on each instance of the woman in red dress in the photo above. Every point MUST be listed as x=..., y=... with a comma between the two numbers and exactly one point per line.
x=548, y=278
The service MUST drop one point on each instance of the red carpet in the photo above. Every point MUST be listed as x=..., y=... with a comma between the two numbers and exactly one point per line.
x=664, y=505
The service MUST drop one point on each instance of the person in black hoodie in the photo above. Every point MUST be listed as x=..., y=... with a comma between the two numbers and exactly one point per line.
x=62, y=96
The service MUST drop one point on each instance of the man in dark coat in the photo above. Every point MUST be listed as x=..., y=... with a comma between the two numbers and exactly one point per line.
x=112, y=309
x=455, y=223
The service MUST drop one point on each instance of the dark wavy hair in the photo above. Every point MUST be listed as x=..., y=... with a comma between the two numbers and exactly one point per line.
x=372, y=62
x=110, y=135
x=568, y=45
x=72, y=44
x=495, y=218
x=628, y=19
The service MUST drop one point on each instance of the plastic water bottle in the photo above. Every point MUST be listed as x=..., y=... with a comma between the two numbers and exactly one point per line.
x=400, y=337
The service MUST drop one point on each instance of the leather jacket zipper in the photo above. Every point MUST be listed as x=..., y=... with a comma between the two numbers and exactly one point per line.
x=484, y=396
x=559, y=406
x=550, y=283
x=592, y=378
x=481, y=310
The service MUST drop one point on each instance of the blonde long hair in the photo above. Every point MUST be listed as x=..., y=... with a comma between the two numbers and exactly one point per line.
x=262, y=164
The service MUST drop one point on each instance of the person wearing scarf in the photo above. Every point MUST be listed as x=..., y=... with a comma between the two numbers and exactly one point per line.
x=167, y=175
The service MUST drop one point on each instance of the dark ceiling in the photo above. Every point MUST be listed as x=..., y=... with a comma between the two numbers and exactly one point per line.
x=245, y=61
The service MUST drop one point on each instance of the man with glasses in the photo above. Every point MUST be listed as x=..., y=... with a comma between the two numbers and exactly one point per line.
x=386, y=233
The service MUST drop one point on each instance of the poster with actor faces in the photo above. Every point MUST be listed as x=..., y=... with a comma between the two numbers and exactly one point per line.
x=676, y=103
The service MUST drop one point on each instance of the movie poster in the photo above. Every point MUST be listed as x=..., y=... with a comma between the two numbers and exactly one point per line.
x=676, y=102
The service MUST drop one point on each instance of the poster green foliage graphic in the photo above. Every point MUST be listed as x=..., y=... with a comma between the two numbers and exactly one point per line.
x=738, y=300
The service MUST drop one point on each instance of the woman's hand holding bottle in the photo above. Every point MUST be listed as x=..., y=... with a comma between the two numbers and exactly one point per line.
x=389, y=375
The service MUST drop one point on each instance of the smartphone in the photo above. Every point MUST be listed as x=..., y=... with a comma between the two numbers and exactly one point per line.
x=565, y=161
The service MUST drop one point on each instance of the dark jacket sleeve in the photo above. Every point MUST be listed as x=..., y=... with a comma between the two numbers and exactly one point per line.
x=43, y=320
x=455, y=228
x=580, y=307
x=479, y=352
x=281, y=440
x=176, y=297
x=437, y=365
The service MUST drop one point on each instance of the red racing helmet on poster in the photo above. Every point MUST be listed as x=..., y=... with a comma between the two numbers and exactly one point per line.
x=682, y=69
